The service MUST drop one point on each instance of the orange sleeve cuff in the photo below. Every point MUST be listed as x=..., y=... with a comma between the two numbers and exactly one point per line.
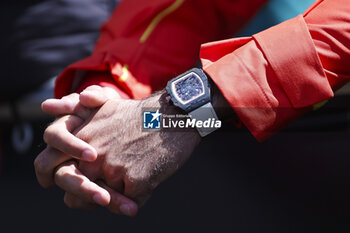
x=291, y=53
x=270, y=79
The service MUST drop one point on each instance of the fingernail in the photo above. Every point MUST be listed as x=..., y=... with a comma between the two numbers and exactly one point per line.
x=98, y=199
x=125, y=209
x=88, y=155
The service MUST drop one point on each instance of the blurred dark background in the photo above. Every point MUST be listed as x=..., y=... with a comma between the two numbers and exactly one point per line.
x=298, y=181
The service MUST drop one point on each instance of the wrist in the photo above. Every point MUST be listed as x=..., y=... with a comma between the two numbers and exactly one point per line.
x=193, y=94
x=222, y=108
x=179, y=143
x=159, y=101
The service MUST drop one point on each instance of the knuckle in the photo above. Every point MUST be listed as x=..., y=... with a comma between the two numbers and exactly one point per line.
x=69, y=102
x=140, y=188
x=37, y=164
x=110, y=173
x=49, y=134
x=67, y=106
x=113, y=170
x=40, y=164
x=59, y=176
x=42, y=174
x=70, y=97
x=74, y=96
x=139, y=178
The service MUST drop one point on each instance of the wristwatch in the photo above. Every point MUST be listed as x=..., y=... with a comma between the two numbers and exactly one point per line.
x=190, y=91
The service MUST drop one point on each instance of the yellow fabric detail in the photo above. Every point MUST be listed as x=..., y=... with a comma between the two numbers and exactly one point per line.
x=125, y=74
x=173, y=7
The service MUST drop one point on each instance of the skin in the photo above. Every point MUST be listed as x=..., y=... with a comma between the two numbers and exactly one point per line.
x=130, y=160
x=130, y=163
x=56, y=160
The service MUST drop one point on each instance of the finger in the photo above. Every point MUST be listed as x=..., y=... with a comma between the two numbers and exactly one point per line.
x=45, y=164
x=58, y=136
x=65, y=106
x=96, y=96
x=70, y=179
x=119, y=203
x=75, y=202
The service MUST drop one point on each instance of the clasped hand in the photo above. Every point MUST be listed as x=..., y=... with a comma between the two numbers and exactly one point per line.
x=97, y=152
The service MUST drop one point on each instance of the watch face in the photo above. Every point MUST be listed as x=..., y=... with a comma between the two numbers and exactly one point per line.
x=188, y=88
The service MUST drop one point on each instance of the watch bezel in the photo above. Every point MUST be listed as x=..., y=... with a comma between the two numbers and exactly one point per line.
x=194, y=102
x=176, y=95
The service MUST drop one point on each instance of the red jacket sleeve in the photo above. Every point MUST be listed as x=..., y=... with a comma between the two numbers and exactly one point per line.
x=146, y=43
x=275, y=76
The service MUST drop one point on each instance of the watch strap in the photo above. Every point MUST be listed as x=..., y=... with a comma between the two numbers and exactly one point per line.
x=204, y=113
